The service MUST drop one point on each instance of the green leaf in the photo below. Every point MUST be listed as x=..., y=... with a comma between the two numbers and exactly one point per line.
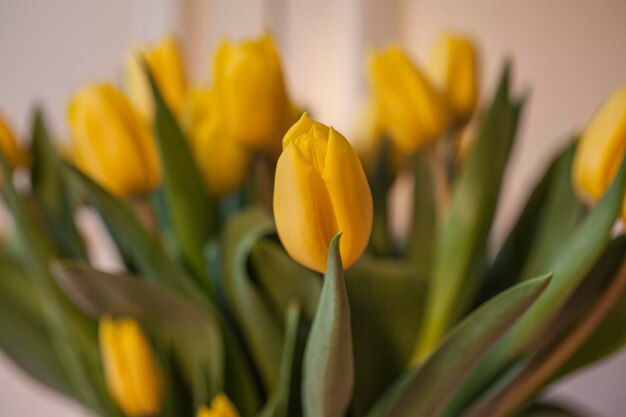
x=23, y=331
x=259, y=325
x=328, y=377
x=575, y=259
x=385, y=299
x=462, y=240
x=283, y=280
x=561, y=214
x=506, y=269
x=421, y=239
x=192, y=212
x=433, y=384
x=191, y=334
x=52, y=193
x=548, y=410
x=284, y=400
x=381, y=180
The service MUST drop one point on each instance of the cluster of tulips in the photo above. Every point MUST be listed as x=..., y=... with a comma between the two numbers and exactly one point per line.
x=258, y=272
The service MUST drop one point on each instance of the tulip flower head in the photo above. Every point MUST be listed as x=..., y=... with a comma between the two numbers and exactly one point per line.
x=112, y=143
x=131, y=371
x=320, y=190
x=413, y=111
x=601, y=149
x=223, y=161
x=220, y=407
x=249, y=83
x=8, y=145
x=453, y=67
x=165, y=63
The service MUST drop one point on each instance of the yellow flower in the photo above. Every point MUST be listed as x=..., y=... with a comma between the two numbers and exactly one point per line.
x=112, y=143
x=165, y=63
x=601, y=148
x=220, y=407
x=320, y=190
x=413, y=112
x=132, y=374
x=8, y=145
x=453, y=67
x=249, y=83
x=222, y=160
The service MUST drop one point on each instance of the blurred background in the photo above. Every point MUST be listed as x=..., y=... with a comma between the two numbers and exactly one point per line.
x=568, y=54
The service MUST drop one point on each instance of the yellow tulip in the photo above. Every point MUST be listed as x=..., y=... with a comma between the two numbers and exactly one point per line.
x=132, y=374
x=112, y=143
x=320, y=189
x=413, y=112
x=248, y=80
x=601, y=148
x=453, y=67
x=220, y=407
x=222, y=160
x=8, y=145
x=165, y=63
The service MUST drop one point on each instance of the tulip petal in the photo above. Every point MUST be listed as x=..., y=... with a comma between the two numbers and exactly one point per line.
x=350, y=195
x=303, y=210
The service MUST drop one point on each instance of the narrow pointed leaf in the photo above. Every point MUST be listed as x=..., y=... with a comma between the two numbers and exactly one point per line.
x=462, y=240
x=192, y=212
x=328, y=359
x=52, y=193
x=437, y=380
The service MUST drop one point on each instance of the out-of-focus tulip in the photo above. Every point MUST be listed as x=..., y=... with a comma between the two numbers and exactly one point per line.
x=413, y=112
x=223, y=161
x=112, y=143
x=132, y=374
x=165, y=63
x=220, y=407
x=320, y=190
x=248, y=80
x=8, y=145
x=601, y=148
x=453, y=66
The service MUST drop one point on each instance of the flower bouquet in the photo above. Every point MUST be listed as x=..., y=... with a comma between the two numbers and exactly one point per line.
x=258, y=273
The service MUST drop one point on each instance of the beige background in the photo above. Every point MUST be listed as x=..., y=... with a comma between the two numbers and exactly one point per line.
x=569, y=53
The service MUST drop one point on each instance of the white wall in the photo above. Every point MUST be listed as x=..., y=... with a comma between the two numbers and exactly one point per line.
x=570, y=54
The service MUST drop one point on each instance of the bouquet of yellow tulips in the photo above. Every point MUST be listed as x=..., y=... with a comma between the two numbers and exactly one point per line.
x=260, y=276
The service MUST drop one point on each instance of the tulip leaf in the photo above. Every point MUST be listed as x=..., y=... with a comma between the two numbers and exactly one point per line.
x=548, y=410
x=260, y=326
x=23, y=332
x=191, y=334
x=380, y=182
x=283, y=280
x=505, y=271
x=285, y=399
x=561, y=214
x=328, y=370
x=461, y=244
x=432, y=385
x=421, y=239
x=51, y=191
x=193, y=214
x=385, y=299
x=570, y=266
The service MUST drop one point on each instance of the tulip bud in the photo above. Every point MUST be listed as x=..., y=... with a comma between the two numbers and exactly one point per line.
x=8, y=145
x=112, y=143
x=413, y=112
x=249, y=83
x=453, y=67
x=220, y=407
x=165, y=63
x=131, y=371
x=601, y=148
x=320, y=190
x=222, y=160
